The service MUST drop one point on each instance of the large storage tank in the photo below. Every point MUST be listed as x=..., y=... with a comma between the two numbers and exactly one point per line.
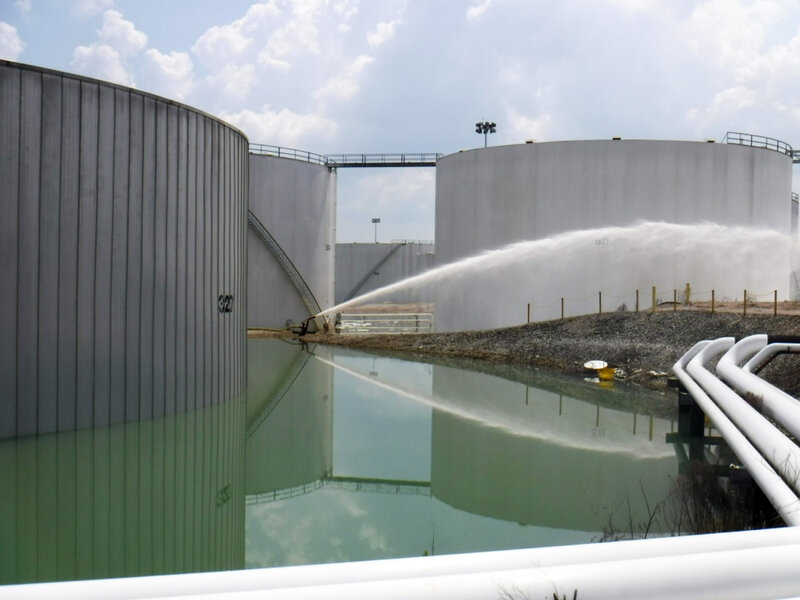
x=291, y=244
x=489, y=198
x=122, y=254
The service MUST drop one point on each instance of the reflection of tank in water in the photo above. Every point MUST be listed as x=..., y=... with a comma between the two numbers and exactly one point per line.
x=289, y=416
x=579, y=464
x=142, y=498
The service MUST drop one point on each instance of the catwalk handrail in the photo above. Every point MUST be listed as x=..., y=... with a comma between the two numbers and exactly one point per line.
x=293, y=153
x=760, y=141
x=402, y=159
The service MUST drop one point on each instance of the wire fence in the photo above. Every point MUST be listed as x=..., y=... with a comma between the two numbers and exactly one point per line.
x=659, y=300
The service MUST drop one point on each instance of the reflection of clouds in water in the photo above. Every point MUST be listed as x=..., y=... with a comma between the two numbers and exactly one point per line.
x=374, y=538
x=337, y=526
x=324, y=526
x=350, y=505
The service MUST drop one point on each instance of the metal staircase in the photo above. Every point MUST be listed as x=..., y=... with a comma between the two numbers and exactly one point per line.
x=285, y=262
x=372, y=271
x=280, y=390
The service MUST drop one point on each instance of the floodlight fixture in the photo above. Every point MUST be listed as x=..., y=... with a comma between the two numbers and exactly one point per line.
x=375, y=221
x=485, y=127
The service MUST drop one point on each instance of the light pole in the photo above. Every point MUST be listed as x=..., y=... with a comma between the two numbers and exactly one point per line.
x=485, y=127
x=376, y=221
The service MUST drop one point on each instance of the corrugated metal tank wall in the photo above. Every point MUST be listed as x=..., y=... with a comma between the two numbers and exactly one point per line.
x=489, y=198
x=123, y=258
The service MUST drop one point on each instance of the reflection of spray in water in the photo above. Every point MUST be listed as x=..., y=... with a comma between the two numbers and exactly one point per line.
x=491, y=415
x=616, y=260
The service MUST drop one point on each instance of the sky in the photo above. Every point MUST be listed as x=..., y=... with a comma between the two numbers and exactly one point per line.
x=369, y=76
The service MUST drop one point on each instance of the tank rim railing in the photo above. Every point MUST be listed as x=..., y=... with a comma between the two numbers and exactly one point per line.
x=293, y=153
x=761, y=141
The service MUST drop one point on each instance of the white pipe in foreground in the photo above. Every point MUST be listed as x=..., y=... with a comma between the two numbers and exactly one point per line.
x=775, y=489
x=761, y=357
x=773, y=445
x=753, y=574
x=431, y=567
x=777, y=404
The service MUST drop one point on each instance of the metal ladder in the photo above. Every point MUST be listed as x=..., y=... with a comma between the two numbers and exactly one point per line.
x=372, y=271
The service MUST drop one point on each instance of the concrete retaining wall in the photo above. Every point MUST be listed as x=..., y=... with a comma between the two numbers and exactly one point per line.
x=122, y=255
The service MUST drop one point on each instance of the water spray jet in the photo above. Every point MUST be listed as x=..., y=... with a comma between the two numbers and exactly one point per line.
x=492, y=289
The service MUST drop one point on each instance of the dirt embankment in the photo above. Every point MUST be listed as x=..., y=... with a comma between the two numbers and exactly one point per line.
x=643, y=346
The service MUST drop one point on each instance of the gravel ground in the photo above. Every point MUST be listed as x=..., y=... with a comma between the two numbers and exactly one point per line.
x=643, y=346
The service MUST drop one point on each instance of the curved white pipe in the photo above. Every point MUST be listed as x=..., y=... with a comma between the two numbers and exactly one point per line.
x=777, y=404
x=762, y=355
x=774, y=446
x=227, y=582
x=753, y=573
x=775, y=489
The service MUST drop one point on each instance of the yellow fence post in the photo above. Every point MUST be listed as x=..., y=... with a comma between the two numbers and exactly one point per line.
x=637, y=301
x=712, y=301
x=688, y=295
x=529, y=312
x=653, y=305
x=599, y=303
x=562, y=308
x=674, y=299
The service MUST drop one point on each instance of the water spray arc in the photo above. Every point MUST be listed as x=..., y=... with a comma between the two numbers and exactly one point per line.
x=492, y=289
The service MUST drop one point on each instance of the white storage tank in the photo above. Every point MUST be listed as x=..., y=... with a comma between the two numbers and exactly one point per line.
x=293, y=201
x=489, y=198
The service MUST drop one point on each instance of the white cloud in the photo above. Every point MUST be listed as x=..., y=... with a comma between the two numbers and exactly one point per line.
x=89, y=8
x=724, y=105
x=11, y=45
x=24, y=6
x=235, y=81
x=635, y=5
x=299, y=33
x=169, y=74
x=732, y=33
x=383, y=32
x=281, y=128
x=746, y=44
x=521, y=127
x=344, y=86
x=103, y=62
x=383, y=189
x=221, y=44
x=476, y=11
x=121, y=34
